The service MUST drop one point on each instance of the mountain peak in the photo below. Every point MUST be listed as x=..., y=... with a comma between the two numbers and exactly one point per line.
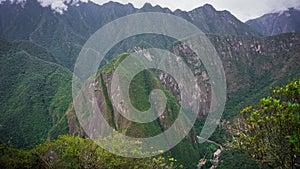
x=147, y=5
x=209, y=7
x=206, y=7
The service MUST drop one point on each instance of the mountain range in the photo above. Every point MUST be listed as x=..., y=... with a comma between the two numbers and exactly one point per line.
x=39, y=47
x=277, y=22
x=55, y=32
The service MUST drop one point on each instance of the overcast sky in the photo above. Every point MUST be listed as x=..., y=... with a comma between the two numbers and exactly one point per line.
x=242, y=9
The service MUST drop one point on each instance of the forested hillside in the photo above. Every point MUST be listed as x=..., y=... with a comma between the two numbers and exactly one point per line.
x=40, y=126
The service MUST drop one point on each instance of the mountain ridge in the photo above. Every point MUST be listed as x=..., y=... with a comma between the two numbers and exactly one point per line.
x=55, y=32
x=34, y=96
x=277, y=22
x=36, y=63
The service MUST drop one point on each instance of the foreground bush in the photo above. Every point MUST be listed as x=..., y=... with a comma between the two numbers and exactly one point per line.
x=74, y=152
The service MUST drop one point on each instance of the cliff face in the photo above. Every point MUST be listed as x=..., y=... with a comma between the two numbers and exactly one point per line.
x=97, y=95
x=36, y=90
x=249, y=59
x=277, y=23
x=251, y=65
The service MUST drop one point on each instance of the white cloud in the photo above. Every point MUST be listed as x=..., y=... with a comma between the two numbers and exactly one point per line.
x=57, y=5
x=14, y=1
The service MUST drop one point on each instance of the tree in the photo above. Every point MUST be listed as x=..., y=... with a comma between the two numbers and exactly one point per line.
x=270, y=131
x=75, y=152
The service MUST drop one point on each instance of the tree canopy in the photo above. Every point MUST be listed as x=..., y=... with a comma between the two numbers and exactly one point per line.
x=76, y=152
x=270, y=131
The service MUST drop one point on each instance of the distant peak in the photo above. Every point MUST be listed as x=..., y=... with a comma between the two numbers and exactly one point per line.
x=112, y=3
x=130, y=4
x=208, y=6
x=282, y=11
x=147, y=5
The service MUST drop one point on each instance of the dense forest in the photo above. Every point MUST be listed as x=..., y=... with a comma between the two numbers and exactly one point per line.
x=41, y=122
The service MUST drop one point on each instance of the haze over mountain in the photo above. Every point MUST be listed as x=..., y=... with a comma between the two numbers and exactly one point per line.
x=55, y=32
x=277, y=22
x=243, y=10
x=40, y=48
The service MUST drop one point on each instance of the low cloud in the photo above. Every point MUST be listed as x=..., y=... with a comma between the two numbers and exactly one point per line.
x=58, y=6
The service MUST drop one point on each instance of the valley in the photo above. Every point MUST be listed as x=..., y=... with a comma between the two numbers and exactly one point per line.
x=38, y=52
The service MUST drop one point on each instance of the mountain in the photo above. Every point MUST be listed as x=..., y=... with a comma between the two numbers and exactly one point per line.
x=63, y=35
x=140, y=87
x=216, y=22
x=252, y=65
x=35, y=93
x=277, y=22
x=42, y=46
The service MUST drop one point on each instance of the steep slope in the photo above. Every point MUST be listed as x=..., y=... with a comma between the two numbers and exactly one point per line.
x=35, y=93
x=35, y=90
x=252, y=65
x=276, y=23
x=140, y=87
x=63, y=35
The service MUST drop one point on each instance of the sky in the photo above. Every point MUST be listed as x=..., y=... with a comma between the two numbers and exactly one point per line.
x=242, y=9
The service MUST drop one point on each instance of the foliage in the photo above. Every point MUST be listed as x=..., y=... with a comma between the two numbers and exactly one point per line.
x=139, y=90
x=270, y=131
x=231, y=158
x=11, y=158
x=75, y=152
x=35, y=94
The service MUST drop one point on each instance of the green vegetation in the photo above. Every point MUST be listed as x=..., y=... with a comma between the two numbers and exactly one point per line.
x=75, y=152
x=35, y=91
x=270, y=131
x=139, y=90
x=35, y=95
x=233, y=158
